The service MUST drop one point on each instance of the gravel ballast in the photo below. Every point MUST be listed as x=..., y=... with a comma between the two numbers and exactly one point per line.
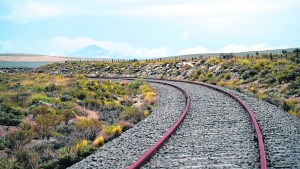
x=124, y=150
x=217, y=133
x=281, y=132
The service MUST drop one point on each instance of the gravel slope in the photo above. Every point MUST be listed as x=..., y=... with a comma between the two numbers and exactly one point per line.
x=281, y=133
x=217, y=133
x=124, y=150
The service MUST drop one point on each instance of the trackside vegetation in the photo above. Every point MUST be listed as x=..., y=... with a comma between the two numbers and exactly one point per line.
x=274, y=78
x=52, y=121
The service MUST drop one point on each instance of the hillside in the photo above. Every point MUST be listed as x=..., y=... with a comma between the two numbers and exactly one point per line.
x=274, y=79
x=54, y=121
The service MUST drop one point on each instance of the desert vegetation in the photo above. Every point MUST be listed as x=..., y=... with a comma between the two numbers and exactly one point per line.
x=52, y=121
x=276, y=82
x=270, y=77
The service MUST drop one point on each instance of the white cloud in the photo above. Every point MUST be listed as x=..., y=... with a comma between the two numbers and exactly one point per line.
x=215, y=14
x=195, y=50
x=32, y=10
x=185, y=35
x=204, y=8
x=65, y=46
x=233, y=48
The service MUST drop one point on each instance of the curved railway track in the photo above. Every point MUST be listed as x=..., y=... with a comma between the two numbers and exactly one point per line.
x=222, y=138
x=122, y=151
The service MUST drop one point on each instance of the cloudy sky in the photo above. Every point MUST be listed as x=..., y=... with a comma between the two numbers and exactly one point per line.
x=147, y=28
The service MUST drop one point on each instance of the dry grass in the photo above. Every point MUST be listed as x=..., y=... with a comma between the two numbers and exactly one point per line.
x=99, y=141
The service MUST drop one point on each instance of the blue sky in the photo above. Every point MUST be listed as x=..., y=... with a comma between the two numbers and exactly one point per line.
x=147, y=28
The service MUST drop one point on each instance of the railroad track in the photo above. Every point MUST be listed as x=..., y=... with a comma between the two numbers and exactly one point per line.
x=124, y=150
x=216, y=133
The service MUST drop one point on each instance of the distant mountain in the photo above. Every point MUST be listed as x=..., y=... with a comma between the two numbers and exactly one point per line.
x=94, y=51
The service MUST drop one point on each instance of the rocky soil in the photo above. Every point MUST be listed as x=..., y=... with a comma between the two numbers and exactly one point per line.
x=124, y=150
x=281, y=133
x=216, y=133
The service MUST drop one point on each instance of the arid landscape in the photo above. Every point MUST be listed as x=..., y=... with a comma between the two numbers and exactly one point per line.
x=149, y=84
x=55, y=121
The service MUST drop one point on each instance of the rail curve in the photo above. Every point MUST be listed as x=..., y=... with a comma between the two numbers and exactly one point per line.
x=145, y=157
x=153, y=149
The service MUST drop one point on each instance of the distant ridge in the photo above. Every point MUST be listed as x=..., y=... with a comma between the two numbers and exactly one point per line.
x=205, y=55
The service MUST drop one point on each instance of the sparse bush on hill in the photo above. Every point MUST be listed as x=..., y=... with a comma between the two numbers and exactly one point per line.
x=132, y=114
x=89, y=127
x=276, y=71
x=57, y=121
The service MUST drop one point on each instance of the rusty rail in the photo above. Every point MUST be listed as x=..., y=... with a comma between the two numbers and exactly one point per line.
x=261, y=147
x=146, y=156
x=153, y=149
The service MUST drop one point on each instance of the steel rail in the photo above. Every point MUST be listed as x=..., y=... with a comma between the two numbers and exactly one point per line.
x=261, y=147
x=154, y=148
x=145, y=157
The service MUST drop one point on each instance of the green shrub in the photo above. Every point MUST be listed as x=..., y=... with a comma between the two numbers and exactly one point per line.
x=8, y=163
x=42, y=110
x=84, y=148
x=135, y=84
x=20, y=98
x=46, y=123
x=9, y=119
x=248, y=74
x=19, y=138
x=67, y=114
x=3, y=143
x=227, y=76
x=81, y=144
x=132, y=114
x=291, y=103
x=51, y=164
x=65, y=98
x=89, y=127
x=67, y=156
x=27, y=159
x=10, y=108
x=145, y=88
x=126, y=100
x=111, y=105
x=79, y=94
x=39, y=97
x=38, y=88
x=113, y=130
x=92, y=104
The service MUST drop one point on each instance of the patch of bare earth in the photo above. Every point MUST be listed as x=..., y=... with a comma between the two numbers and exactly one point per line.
x=29, y=120
x=84, y=113
x=138, y=102
x=4, y=130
